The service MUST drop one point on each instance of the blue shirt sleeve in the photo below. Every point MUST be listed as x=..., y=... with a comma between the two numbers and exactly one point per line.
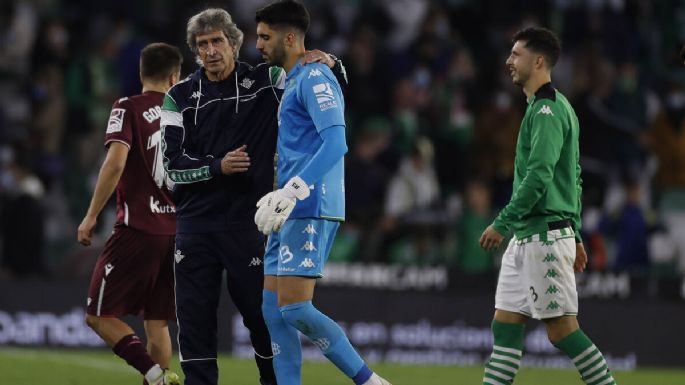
x=332, y=150
x=320, y=94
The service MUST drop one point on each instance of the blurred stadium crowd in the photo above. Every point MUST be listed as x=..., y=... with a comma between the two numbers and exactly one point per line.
x=432, y=121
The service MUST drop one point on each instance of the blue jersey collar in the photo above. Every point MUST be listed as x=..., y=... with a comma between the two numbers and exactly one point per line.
x=294, y=71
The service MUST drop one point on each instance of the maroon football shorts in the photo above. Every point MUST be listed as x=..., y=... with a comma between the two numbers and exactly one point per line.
x=134, y=275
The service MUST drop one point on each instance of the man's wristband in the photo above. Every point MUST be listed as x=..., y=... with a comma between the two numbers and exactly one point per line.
x=339, y=67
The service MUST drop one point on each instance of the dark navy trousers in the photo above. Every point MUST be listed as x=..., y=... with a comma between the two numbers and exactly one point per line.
x=200, y=260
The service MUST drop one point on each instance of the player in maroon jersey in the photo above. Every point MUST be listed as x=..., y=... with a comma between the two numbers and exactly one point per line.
x=134, y=273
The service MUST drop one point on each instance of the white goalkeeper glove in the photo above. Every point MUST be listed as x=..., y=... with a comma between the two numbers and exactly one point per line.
x=275, y=207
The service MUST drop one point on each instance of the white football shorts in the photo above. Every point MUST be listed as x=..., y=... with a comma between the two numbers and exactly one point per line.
x=536, y=278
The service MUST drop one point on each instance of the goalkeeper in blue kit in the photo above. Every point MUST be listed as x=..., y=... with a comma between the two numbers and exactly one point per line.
x=303, y=215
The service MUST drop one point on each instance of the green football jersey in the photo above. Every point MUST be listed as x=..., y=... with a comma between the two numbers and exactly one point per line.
x=547, y=184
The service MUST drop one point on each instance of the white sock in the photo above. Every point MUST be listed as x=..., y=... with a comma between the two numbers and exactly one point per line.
x=375, y=379
x=371, y=380
x=153, y=375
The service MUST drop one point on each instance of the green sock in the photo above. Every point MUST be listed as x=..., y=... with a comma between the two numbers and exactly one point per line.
x=506, y=354
x=587, y=358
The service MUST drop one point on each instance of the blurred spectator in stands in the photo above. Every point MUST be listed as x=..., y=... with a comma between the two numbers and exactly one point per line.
x=406, y=119
x=18, y=21
x=365, y=184
x=497, y=127
x=49, y=63
x=406, y=17
x=414, y=188
x=412, y=207
x=477, y=215
x=128, y=47
x=365, y=61
x=630, y=227
x=598, y=136
x=667, y=140
x=454, y=102
x=597, y=132
x=433, y=46
x=628, y=106
x=91, y=88
x=22, y=220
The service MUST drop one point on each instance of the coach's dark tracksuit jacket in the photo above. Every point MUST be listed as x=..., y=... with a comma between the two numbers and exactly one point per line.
x=213, y=118
x=202, y=120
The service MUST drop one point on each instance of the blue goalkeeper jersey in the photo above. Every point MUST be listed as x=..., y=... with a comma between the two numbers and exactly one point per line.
x=312, y=102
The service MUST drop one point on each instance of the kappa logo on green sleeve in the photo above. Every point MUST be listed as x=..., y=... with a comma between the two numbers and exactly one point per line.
x=545, y=110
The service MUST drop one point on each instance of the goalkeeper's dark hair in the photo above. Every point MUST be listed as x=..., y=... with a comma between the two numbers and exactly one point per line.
x=159, y=60
x=542, y=41
x=284, y=13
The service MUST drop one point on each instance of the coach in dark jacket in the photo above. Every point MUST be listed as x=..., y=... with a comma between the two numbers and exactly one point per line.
x=219, y=129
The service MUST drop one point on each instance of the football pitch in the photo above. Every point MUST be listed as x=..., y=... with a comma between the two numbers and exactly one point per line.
x=76, y=367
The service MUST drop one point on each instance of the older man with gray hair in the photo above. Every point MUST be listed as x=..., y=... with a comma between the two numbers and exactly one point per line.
x=219, y=138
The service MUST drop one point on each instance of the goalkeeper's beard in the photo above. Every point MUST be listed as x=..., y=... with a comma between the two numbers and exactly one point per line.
x=276, y=58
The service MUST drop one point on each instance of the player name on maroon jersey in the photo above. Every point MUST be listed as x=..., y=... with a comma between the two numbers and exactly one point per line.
x=143, y=193
x=152, y=114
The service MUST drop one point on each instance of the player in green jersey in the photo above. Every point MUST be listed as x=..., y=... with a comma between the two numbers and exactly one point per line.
x=537, y=274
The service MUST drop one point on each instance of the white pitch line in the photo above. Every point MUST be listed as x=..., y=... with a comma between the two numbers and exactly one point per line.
x=67, y=359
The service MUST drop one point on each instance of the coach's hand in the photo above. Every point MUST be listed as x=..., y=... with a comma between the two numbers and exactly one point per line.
x=581, y=258
x=275, y=207
x=85, y=230
x=235, y=161
x=316, y=56
x=490, y=239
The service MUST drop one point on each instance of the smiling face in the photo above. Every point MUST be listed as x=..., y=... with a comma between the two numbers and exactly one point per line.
x=521, y=62
x=216, y=53
x=270, y=44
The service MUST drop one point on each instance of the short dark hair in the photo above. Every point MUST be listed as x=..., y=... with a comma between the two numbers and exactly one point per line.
x=285, y=12
x=159, y=60
x=540, y=40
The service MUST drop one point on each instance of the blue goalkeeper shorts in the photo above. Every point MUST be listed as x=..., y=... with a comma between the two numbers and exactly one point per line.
x=301, y=248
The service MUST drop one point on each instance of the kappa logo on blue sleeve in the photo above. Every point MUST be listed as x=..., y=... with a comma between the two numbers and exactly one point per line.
x=315, y=72
x=324, y=96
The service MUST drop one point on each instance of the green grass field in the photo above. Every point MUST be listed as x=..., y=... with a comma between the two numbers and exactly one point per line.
x=76, y=367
